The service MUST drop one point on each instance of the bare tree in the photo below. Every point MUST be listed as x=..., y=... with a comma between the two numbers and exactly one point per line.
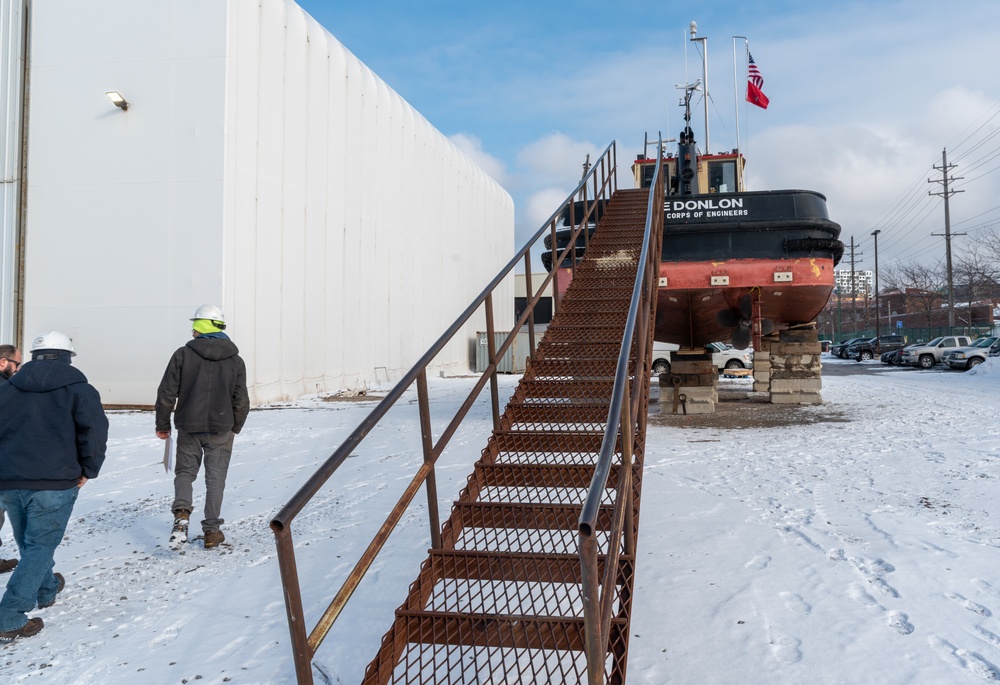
x=922, y=287
x=976, y=272
x=987, y=242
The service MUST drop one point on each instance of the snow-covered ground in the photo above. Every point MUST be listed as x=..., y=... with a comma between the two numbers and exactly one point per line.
x=860, y=546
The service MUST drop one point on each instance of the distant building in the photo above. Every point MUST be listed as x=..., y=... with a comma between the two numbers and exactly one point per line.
x=863, y=282
x=253, y=163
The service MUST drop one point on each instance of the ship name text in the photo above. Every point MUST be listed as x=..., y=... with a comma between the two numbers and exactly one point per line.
x=709, y=207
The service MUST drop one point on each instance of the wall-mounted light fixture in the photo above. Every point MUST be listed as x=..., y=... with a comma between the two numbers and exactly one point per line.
x=118, y=99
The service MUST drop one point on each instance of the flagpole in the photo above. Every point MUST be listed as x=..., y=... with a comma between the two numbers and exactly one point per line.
x=736, y=93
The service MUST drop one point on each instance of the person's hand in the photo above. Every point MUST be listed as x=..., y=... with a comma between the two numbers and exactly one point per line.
x=163, y=435
x=80, y=481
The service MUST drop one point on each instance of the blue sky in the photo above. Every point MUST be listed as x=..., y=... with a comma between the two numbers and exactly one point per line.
x=864, y=97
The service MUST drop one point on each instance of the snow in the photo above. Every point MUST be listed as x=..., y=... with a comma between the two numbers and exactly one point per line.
x=858, y=546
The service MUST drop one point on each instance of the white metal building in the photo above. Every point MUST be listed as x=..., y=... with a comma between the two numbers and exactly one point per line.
x=259, y=166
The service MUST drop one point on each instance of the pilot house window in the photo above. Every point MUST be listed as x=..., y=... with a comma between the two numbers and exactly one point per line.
x=722, y=177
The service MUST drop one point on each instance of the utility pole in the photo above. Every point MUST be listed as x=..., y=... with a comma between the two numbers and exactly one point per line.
x=878, y=330
x=946, y=193
x=854, y=291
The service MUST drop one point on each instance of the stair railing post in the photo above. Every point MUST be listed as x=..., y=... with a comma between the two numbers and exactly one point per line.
x=591, y=585
x=492, y=348
x=627, y=433
x=574, y=231
x=529, y=291
x=614, y=166
x=555, y=272
x=427, y=440
x=301, y=652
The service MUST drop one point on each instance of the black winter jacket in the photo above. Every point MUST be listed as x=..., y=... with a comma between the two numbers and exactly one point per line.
x=207, y=380
x=52, y=427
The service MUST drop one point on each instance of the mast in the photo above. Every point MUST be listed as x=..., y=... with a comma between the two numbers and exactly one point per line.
x=687, y=148
x=704, y=76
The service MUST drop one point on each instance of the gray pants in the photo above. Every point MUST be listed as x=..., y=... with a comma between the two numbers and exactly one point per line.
x=214, y=449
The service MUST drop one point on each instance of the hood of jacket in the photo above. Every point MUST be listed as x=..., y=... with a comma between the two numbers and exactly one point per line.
x=44, y=375
x=213, y=349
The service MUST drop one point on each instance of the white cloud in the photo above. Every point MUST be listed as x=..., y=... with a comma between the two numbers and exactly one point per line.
x=472, y=146
x=555, y=158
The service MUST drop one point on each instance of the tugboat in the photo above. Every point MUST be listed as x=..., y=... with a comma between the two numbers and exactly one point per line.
x=736, y=264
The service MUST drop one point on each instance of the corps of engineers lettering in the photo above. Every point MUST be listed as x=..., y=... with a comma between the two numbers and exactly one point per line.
x=704, y=208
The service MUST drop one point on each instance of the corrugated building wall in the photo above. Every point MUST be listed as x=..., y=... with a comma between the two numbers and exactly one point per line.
x=260, y=166
x=12, y=42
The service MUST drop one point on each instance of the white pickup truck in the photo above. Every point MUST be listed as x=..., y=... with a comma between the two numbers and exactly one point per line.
x=928, y=355
x=724, y=356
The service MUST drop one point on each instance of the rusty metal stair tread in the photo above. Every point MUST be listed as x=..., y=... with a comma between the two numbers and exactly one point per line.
x=533, y=475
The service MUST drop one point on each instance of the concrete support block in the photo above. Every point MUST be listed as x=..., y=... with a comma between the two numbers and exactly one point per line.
x=790, y=348
x=696, y=394
x=810, y=385
x=762, y=368
x=698, y=408
x=796, y=369
x=794, y=335
x=796, y=398
x=697, y=381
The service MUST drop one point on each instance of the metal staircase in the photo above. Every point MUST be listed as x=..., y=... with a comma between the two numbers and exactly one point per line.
x=530, y=578
x=500, y=599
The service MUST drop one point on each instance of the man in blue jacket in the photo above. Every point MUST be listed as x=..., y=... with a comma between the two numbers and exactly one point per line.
x=53, y=436
x=10, y=362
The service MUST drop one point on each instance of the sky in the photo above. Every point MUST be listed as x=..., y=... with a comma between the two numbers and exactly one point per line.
x=852, y=542
x=864, y=98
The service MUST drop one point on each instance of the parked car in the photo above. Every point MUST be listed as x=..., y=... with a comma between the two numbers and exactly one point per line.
x=840, y=349
x=825, y=345
x=867, y=349
x=723, y=356
x=728, y=357
x=890, y=357
x=932, y=353
x=967, y=357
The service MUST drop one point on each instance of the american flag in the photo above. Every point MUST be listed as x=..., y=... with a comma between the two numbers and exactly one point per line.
x=755, y=82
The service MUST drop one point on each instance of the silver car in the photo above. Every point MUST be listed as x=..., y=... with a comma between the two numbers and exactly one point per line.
x=966, y=357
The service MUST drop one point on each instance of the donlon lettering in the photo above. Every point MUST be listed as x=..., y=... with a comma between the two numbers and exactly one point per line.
x=701, y=208
x=703, y=205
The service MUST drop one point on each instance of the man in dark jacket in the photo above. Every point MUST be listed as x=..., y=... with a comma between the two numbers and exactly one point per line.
x=206, y=380
x=10, y=362
x=53, y=436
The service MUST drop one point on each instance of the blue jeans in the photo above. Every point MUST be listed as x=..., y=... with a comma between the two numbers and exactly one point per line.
x=38, y=521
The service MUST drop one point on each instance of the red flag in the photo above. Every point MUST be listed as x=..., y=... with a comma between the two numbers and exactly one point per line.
x=755, y=96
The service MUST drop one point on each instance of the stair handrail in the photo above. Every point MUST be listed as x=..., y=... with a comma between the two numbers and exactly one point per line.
x=598, y=184
x=623, y=416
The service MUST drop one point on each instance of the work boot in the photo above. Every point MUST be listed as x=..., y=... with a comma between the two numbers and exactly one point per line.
x=7, y=565
x=62, y=584
x=179, y=534
x=213, y=538
x=32, y=627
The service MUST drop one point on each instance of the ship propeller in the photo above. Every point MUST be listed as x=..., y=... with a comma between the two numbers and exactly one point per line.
x=740, y=320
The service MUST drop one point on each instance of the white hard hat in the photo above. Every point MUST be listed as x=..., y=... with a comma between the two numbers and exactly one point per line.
x=53, y=340
x=210, y=312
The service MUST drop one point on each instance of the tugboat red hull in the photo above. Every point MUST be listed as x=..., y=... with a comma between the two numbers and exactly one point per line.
x=789, y=291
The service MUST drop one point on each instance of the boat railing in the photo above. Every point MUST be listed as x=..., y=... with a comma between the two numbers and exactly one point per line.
x=625, y=421
x=597, y=185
